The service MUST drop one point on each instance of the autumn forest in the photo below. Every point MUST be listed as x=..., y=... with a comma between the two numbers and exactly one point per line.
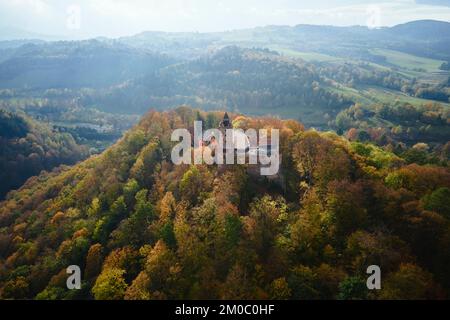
x=143, y=228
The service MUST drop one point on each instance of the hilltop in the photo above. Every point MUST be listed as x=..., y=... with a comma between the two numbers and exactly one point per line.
x=142, y=228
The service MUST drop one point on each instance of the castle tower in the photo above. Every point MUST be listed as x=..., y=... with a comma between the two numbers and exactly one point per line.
x=225, y=123
x=238, y=140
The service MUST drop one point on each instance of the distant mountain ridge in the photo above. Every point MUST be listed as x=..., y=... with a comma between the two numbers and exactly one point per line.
x=431, y=31
x=428, y=34
x=422, y=29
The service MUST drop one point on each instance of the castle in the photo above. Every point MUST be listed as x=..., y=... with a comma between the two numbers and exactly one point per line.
x=241, y=143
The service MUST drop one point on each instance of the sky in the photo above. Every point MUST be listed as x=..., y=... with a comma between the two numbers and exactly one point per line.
x=114, y=18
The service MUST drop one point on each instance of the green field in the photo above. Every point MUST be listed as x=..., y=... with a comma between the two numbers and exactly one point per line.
x=384, y=95
x=410, y=66
x=372, y=94
x=407, y=61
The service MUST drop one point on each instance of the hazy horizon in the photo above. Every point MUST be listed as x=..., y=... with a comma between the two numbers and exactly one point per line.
x=115, y=18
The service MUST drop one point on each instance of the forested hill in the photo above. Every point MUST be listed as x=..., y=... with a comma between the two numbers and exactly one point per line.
x=27, y=147
x=75, y=64
x=141, y=228
x=253, y=81
x=129, y=81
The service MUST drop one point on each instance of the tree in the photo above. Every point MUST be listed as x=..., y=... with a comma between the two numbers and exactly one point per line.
x=167, y=234
x=419, y=179
x=162, y=269
x=238, y=285
x=95, y=207
x=438, y=201
x=110, y=285
x=51, y=293
x=129, y=191
x=233, y=229
x=94, y=260
x=353, y=288
x=364, y=249
x=167, y=207
x=15, y=289
x=409, y=282
x=311, y=231
x=345, y=205
x=319, y=160
x=264, y=223
x=328, y=277
x=73, y=251
x=195, y=181
x=133, y=230
x=343, y=121
x=106, y=224
x=125, y=258
x=135, y=141
x=139, y=289
x=280, y=289
x=145, y=164
x=302, y=280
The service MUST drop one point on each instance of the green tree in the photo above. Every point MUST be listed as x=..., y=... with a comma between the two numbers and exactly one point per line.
x=302, y=280
x=353, y=288
x=438, y=201
x=129, y=191
x=133, y=229
x=266, y=215
x=110, y=285
x=233, y=229
x=194, y=182
x=95, y=207
x=168, y=235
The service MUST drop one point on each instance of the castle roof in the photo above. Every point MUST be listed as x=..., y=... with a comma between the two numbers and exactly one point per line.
x=226, y=123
